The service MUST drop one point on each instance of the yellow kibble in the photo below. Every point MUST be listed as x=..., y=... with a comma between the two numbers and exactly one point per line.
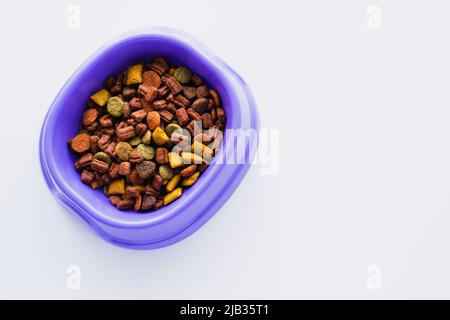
x=202, y=150
x=175, y=194
x=134, y=74
x=159, y=136
x=140, y=187
x=117, y=187
x=190, y=180
x=101, y=97
x=175, y=160
x=189, y=158
x=94, y=184
x=173, y=183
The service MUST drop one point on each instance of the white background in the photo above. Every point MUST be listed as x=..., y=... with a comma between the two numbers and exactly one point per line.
x=363, y=179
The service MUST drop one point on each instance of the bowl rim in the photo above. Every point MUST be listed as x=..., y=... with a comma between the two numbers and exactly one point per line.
x=189, y=42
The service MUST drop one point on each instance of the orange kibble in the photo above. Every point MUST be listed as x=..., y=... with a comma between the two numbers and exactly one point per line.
x=153, y=120
x=89, y=117
x=151, y=79
x=80, y=143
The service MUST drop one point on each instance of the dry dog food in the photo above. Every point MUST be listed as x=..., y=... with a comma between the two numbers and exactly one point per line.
x=148, y=135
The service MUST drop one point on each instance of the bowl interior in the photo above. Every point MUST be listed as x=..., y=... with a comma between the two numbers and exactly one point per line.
x=67, y=112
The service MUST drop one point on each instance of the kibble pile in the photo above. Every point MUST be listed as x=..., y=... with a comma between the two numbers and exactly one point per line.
x=148, y=134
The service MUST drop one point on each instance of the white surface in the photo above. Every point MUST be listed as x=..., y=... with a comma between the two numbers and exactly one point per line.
x=364, y=173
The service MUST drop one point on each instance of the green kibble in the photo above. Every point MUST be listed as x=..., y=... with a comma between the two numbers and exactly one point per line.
x=135, y=141
x=148, y=152
x=122, y=150
x=147, y=137
x=166, y=172
x=172, y=71
x=170, y=128
x=183, y=75
x=102, y=157
x=115, y=106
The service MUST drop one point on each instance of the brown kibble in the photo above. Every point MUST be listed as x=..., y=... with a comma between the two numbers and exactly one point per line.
x=193, y=115
x=89, y=117
x=189, y=92
x=140, y=129
x=116, y=90
x=149, y=190
x=125, y=133
x=114, y=170
x=181, y=101
x=157, y=182
x=220, y=115
x=124, y=168
x=151, y=95
x=114, y=199
x=202, y=92
x=151, y=79
x=160, y=104
x=106, y=179
x=99, y=166
x=85, y=161
x=135, y=103
x=174, y=85
x=148, y=202
x=139, y=115
x=94, y=143
x=129, y=92
x=215, y=97
x=166, y=116
x=80, y=143
x=171, y=108
x=153, y=120
x=163, y=91
x=87, y=176
x=104, y=142
x=158, y=204
x=105, y=121
x=134, y=178
x=126, y=110
x=110, y=150
x=196, y=80
x=200, y=105
x=132, y=191
x=182, y=116
x=138, y=202
x=162, y=156
x=159, y=65
x=206, y=120
x=146, y=169
x=125, y=204
x=135, y=156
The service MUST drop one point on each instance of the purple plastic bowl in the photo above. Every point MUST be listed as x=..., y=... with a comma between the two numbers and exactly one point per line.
x=198, y=203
